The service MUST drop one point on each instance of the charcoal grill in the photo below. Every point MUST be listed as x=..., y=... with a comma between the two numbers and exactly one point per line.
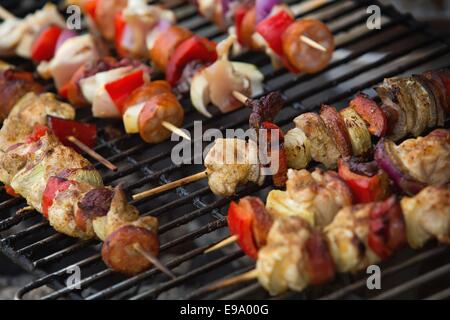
x=192, y=218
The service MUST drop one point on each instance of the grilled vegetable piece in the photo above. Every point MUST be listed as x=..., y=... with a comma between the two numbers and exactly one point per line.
x=323, y=147
x=250, y=222
x=398, y=127
x=295, y=256
x=359, y=134
x=367, y=182
x=336, y=126
x=431, y=99
x=427, y=216
x=371, y=113
x=298, y=149
x=439, y=78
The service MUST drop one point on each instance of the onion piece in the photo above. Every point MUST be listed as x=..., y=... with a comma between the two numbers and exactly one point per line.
x=65, y=35
x=264, y=7
x=387, y=160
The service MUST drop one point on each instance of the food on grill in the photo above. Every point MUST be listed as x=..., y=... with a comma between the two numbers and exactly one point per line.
x=367, y=182
x=323, y=146
x=298, y=149
x=357, y=131
x=297, y=255
x=14, y=85
x=338, y=129
x=416, y=163
x=58, y=182
x=304, y=45
x=371, y=113
x=231, y=162
x=315, y=196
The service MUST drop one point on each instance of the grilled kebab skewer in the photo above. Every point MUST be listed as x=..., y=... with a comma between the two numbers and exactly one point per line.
x=410, y=106
x=63, y=186
x=80, y=76
x=296, y=255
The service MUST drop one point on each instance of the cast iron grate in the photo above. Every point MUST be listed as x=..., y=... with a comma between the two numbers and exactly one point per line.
x=192, y=218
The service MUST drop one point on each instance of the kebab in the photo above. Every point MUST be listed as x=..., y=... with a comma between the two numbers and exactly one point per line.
x=109, y=84
x=63, y=186
x=296, y=255
x=422, y=100
x=305, y=45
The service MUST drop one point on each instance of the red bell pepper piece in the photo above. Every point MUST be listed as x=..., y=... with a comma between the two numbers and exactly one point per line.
x=44, y=46
x=240, y=223
x=54, y=185
x=194, y=48
x=386, y=228
x=280, y=177
x=38, y=132
x=239, y=15
x=272, y=28
x=120, y=24
x=119, y=90
x=9, y=190
x=90, y=7
x=62, y=128
x=365, y=188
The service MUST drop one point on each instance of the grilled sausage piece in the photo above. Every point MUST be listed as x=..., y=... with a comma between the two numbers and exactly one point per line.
x=165, y=45
x=119, y=249
x=13, y=86
x=303, y=56
x=163, y=107
x=146, y=92
x=336, y=126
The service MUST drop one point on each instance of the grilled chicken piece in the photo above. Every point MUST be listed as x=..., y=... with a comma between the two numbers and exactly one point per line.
x=31, y=110
x=14, y=85
x=295, y=256
x=427, y=158
x=316, y=197
x=347, y=238
x=72, y=54
x=17, y=36
x=323, y=147
x=427, y=216
x=231, y=162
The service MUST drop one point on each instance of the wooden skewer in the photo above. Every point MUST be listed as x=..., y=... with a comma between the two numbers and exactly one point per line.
x=310, y=42
x=175, y=130
x=240, y=97
x=92, y=153
x=225, y=242
x=171, y=185
x=247, y=276
x=5, y=14
x=150, y=257
x=24, y=210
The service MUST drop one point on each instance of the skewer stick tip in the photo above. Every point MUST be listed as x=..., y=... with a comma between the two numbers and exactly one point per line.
x=156, y=262
x=92, y=153
x=247, y=276
x=225, y=242
x=171, y=185
x=175, y=130
x=240, y=97
x=310, y=42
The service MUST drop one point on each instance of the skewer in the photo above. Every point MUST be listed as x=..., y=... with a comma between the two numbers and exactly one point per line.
x=171, y=185
x=225, y=242
x=92, y=153
x=156, y=262
x=24, y=210
x=175, y=130
x=310, y=42
x=239, y=97
x=247, y=276
x=5, y=14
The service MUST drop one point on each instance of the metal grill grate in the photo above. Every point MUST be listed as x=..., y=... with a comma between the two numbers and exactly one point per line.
x=192, y=218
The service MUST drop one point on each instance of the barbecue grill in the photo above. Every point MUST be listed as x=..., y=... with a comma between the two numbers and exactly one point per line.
x=191, y=217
